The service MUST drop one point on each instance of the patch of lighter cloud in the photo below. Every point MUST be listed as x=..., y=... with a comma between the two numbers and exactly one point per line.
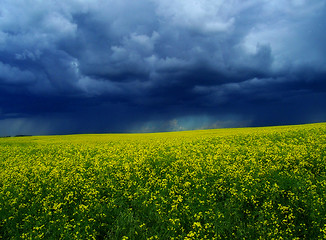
x=14, y=75
x=202, y=16
x=27, y=54
x=167, y=64
x=279, y=38
x=91, y=87
x=217, y=26
x=57, y=24
x=145, y=41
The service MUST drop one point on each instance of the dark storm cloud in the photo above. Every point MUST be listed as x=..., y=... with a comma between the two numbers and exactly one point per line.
x=152, y=65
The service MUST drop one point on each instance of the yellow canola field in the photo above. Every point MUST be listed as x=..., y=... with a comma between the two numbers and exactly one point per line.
x=249, y=183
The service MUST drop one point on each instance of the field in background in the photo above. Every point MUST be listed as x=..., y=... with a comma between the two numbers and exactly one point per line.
x=250, y=183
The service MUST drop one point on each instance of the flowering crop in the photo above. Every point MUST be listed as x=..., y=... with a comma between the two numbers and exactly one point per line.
x=250, y=183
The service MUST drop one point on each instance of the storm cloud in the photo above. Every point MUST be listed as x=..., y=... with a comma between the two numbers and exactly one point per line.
x=85, y=66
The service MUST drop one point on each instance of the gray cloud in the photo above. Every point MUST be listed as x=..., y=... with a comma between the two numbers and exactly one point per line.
x=156, y=62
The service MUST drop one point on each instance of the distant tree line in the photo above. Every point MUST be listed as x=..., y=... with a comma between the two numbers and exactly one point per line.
x=16, y=136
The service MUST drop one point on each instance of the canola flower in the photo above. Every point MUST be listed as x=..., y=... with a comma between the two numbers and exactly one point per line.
x=250, y=183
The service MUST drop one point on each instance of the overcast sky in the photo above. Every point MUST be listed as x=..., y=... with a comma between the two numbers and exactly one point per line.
x=95, y=66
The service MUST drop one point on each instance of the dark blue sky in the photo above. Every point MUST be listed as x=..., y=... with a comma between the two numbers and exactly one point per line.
x=95, y=66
